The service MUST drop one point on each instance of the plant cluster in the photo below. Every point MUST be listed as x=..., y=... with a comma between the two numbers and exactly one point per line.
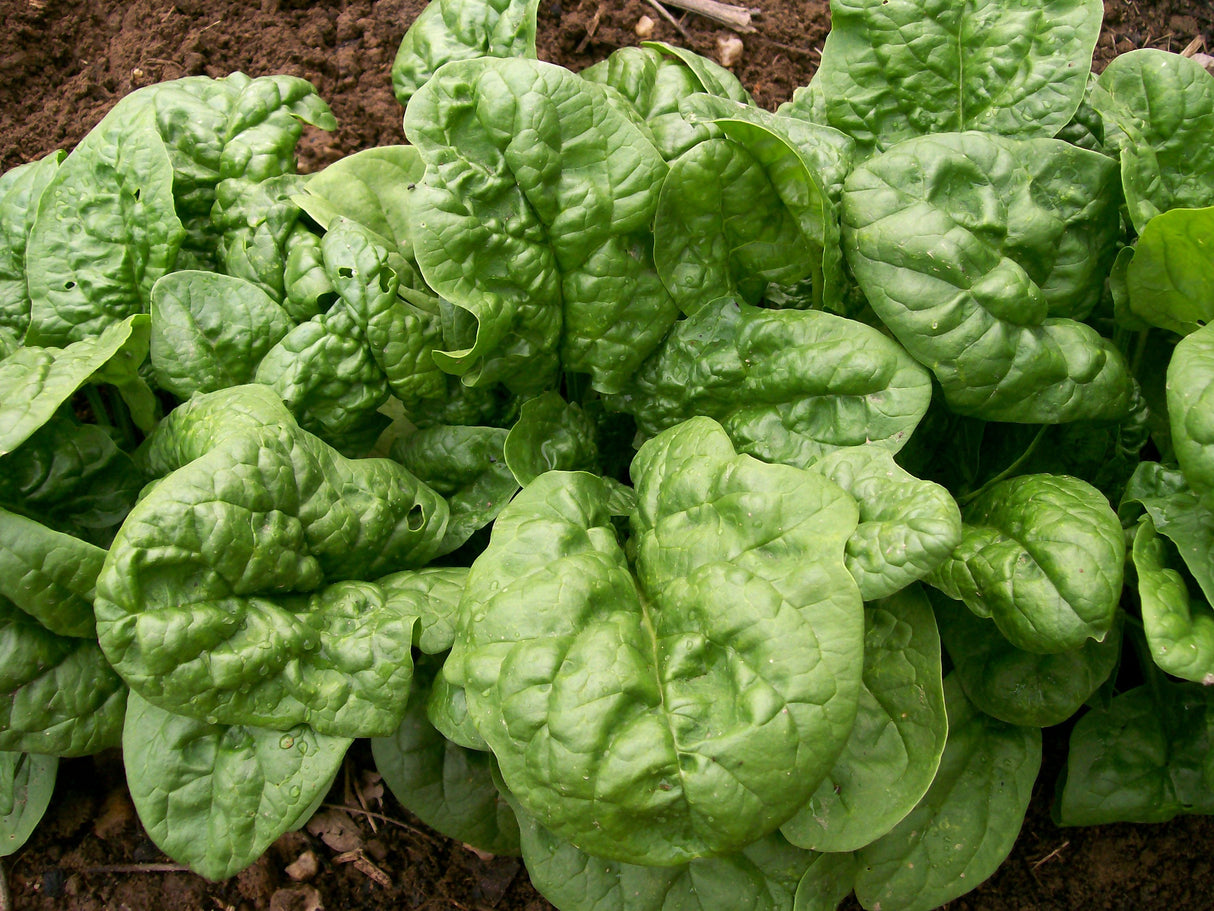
x=711, y=505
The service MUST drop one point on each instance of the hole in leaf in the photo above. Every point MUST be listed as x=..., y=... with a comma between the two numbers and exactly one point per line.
x=416, y=518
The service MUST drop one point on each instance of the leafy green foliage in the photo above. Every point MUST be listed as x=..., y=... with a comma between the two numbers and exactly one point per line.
x=630, y=463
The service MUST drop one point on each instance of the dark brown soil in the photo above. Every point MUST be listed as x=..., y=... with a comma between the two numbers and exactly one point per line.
x=63, y=63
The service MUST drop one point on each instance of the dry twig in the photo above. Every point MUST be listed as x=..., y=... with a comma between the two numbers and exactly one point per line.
x=728, y=14
x=1051, y=855
x=4, y=898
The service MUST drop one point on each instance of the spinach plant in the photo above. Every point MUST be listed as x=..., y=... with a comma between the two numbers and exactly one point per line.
x=712, y=505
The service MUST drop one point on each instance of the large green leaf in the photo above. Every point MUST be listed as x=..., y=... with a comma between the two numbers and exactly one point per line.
x=215, y=797
x=1158, y=109
x=688, y=698
x=1043, y=556
x=534, y=216
x=240, y=589
x=894, y=749
x=967, y=822
x=893, y=69
x=1143, y=758
x=85, y=273
x=980, y=254
x=762, y=876
x=787, y=385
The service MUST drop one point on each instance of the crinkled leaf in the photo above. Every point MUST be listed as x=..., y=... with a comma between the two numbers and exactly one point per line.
x=966, y=824
x=894, y=749
x=1170, y=280
x=106, y=230
x=653, y=83
x=256, y=222
x=37, y=380
x=71, y=477
x=787, y=385
x=436, y=592
x=824, y=155
x=325, y=372
x=980, y=253
x=468, y=467
x=1042, y=555
x=680, y=700
x=550, y=434
x=240, y=588
x=449, y=30
x=1158, y=109
x=20, y=190
x=215, y=797
x=534, y=217
x=907, y=526
x=27, y=781
x=402, y=326
x=1016, y=686
x=1179, y=624
x=49, y=575
x=210, y=331
x=1190, y=403
x=734, y=214
x=58, y=694
x=1178, y=514
x=448, y=787
x=893, y=69
x=1143, y=758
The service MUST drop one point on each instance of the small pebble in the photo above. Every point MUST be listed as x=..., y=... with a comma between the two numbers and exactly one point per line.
x=644, y=28
x=304, y=867
x=729, y=50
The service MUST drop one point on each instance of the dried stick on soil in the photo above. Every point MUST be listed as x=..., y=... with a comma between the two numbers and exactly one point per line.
x=736, y=17
x=4, y=904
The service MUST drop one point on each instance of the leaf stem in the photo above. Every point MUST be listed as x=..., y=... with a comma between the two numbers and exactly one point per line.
x=1008, y=472
x=100, y=413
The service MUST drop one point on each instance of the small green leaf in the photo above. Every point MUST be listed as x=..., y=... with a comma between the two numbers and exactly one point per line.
x=27, y=781
x=448, y=787
x=1170, y=280
x=1043, y=556
x=1158, y=109
x=550, y=434
x=210, y=331
x=215, y=797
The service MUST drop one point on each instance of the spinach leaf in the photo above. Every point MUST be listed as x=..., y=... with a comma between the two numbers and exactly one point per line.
x=1010, y=70
x=566, y=644
x=216, y=796
x=980, y=258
